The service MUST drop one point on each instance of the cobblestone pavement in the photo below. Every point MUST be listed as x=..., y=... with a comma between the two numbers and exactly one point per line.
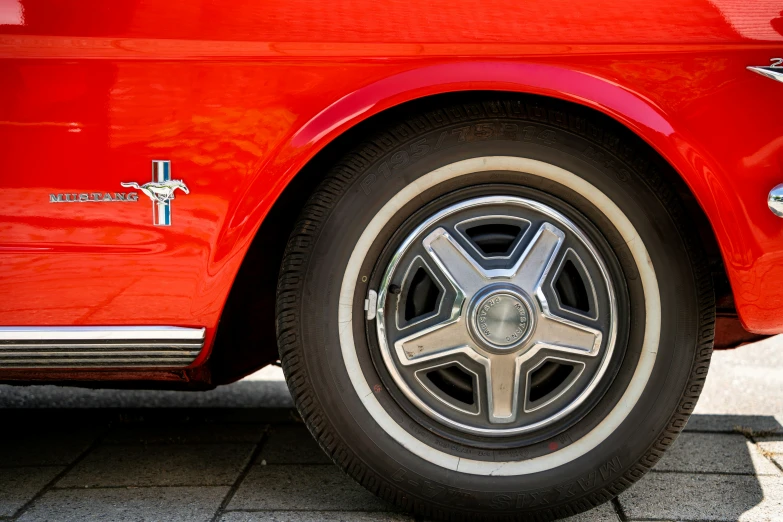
x=239, y=454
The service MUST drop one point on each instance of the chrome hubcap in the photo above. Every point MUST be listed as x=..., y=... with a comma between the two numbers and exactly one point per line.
x=500, y=318
x=477, y=327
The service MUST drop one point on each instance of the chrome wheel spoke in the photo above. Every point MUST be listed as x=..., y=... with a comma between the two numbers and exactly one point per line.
x=455, y=262
x=436, y=342
x=537, y=259
x=503, y=388
x=564, y=335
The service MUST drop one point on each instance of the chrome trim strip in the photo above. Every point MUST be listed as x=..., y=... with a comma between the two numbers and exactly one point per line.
x=775, y=73
x=35, y=345
x=98, y=333
x=94, y=353
x=97, y=363
x=99, y=346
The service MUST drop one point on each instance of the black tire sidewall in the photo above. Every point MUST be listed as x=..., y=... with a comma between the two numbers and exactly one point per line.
x=355, y=202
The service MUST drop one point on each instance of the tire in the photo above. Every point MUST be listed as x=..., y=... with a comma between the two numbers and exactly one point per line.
x=479, y=190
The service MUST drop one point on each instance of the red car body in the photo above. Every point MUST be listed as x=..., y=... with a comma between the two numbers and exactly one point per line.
x=240, y=95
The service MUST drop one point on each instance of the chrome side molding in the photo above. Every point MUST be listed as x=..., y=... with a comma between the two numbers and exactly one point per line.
x=99, y=346
x=775, y=73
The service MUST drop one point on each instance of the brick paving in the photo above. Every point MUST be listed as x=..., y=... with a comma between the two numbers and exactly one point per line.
x=84, y=455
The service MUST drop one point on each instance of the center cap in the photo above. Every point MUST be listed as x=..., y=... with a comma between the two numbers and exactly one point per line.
x=502, y=319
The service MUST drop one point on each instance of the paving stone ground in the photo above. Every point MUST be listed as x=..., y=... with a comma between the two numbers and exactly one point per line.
x=240, y=454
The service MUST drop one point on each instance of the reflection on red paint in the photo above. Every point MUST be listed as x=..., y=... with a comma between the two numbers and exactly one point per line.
x=240, y=95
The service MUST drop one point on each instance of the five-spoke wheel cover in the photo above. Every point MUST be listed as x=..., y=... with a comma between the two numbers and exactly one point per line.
x=498, y=317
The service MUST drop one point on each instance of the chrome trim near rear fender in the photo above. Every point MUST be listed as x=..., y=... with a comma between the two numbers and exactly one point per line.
x=775, y=73
x=14, y=333
x=99, y=346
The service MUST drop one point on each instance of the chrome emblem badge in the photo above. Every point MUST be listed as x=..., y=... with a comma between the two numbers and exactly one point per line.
x=161, y=191
x=774, y=70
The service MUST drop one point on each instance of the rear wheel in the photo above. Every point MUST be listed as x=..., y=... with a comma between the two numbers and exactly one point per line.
x=482, y=312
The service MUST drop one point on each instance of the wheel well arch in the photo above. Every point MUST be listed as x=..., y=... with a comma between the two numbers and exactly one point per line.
x=246, y=335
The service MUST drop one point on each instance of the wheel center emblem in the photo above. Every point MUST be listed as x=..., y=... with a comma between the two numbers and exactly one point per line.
x=502, y=319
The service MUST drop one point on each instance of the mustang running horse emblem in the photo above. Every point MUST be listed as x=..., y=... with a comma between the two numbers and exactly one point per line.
x=160, y=190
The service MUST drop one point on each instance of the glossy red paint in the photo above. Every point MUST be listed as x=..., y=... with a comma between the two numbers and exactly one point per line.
x=240, y=95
